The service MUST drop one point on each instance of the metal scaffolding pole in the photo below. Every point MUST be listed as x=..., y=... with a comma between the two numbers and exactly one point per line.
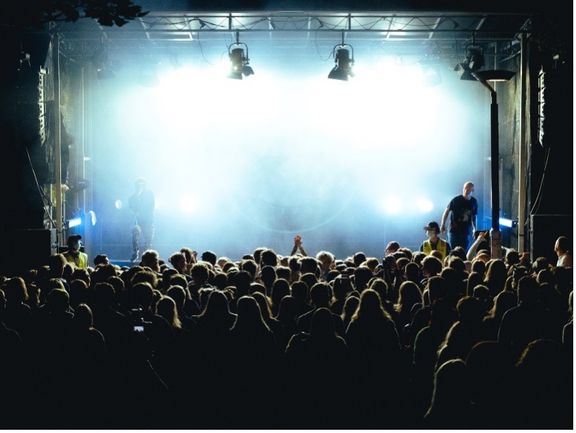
x=522, y=153
x=57, y=140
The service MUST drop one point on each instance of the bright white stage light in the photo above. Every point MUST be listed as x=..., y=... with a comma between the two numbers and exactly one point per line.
x=92, y=216
x=424, y=205
x=392, y=205
x=187, y=204
x=505, y=222
x=74, y=222
x=118, y=204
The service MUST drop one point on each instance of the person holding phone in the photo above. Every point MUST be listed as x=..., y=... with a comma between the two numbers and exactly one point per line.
x=434, y=242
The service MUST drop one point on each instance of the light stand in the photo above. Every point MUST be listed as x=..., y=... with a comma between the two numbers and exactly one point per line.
x=482, y=77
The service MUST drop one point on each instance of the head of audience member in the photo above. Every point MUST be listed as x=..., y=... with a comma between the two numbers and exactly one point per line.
x=178, y=261
x=326, y=260
x=309, y=279
x=104, y=295
x=362, y=276
x=391, y=248
x=249, y=317
x=436, y=288
x=200, y=273
x=79, y=293
x=470, y=311
x=268, y=257
x=482, y=293
x=412, y=272
x=241, y=280
x=283, y=272
x=350, y=307
x=431, y=266
x=503, y=302
x=380, y=286
x=179, y=296
x=57, y=301
x=280, y=288
x=512, y=257
x=142, y=296
x=219, y=280
x=56, y=263
x=300, y=292
x=151, y=259
x=458, y=252
x=540, y=264
x=15, y=291
x=287, y=310
x=101, y=259
x=268, y=275
x=209, y=256
x=409, y=295
x=527, y=291
x=216, y=306
x=249, y=266
x=562, y=245
x=359, y=258
x=322, y=325
x=309, y=265
x=320, y=295
x=264, y=304
x=83, y=318
x=370, y=307
x=166, y=308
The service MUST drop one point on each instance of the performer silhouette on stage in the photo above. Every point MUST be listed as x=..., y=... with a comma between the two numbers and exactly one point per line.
x=142, y=204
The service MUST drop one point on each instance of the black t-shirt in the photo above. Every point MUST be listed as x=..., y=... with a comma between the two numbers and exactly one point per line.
x=463, y=212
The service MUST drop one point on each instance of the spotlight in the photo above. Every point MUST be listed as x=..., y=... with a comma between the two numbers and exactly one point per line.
x=475, y=57
x=470, y=68
x=391, y=205
x=507, y=222
x=424, y=205
x=118, y=204
x=239, y=60
x=187, y=204
x=74, y=222
x=344, y=58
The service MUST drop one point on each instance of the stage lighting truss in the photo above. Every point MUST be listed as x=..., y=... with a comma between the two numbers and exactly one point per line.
x=239, y=60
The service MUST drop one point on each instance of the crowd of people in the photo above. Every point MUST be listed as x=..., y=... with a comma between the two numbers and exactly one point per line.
x=415, y=339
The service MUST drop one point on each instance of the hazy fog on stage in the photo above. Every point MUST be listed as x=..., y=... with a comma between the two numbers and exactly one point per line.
x=237, y=164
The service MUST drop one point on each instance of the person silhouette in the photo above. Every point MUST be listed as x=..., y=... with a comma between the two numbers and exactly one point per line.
x=142, y=204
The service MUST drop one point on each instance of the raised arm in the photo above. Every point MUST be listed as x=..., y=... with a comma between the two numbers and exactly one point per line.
x=298, y=246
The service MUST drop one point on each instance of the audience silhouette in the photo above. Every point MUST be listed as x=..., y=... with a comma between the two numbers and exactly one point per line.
x=271, y=341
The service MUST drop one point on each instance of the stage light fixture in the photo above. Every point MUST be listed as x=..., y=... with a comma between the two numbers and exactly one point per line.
x=239, y=60
x=496, y=75
x=471, y=68
x=344, y=58
x=74, y=222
